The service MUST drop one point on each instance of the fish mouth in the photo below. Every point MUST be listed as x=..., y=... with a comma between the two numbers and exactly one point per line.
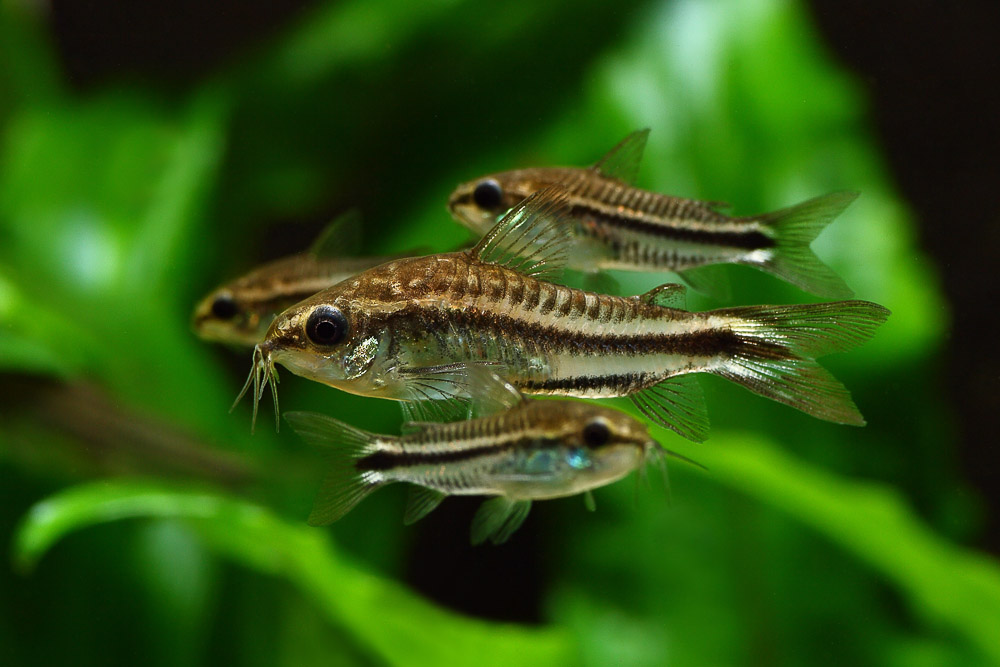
x=262, y=373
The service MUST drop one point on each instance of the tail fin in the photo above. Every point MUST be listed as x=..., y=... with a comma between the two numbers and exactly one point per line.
x=793, y=229
x=782, y=343
x=344, y=486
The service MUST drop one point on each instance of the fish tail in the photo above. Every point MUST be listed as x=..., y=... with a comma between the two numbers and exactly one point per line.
x=345, y=485
x=793, y=229
x=778, y=346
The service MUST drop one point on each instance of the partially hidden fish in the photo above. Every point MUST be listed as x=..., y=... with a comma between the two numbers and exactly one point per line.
x=618, y=226
x=527, y=450
x=240, y=311
x=407, y=329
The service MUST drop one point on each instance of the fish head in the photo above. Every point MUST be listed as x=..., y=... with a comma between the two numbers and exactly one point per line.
x=329, y=337
x=224, y=317
x=479, y=204
x=600, y=444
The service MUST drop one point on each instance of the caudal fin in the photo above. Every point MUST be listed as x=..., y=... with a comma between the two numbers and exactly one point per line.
x=344, y=486
x=793, y=229
x=779, y=346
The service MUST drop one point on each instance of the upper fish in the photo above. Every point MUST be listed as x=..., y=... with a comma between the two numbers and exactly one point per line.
x=525, y=450
x=240, y=311
x=618, y=226
x=405, y=330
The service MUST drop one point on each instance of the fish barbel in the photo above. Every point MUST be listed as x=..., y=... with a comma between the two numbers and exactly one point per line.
x=618, y=226
x=240, y=311
x=528, y=450
x=406, y=330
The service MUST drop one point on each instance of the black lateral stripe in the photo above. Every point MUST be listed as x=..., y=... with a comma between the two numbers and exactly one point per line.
x=590, y=382
x=752, y=240
x=386, y=460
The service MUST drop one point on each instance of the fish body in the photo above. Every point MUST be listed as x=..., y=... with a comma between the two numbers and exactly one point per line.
x=399, y=331
x=615, y=225
x=240, y=311
x=531, y=450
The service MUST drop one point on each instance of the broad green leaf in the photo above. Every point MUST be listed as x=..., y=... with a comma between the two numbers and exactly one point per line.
x=946, y=584
x=396, y=625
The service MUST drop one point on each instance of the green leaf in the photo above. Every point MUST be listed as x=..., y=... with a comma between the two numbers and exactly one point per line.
x=946, y=584
x=395, y=625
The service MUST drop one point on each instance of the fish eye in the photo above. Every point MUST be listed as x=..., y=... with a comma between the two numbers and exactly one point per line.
x=488, y=195
x=224, y=307
x=596, y=433
x=326, y=326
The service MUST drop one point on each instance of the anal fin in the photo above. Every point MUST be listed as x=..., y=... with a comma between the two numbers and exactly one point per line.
x=420, y=502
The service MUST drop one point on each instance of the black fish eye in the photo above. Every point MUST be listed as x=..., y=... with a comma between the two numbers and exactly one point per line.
x=596, y=433
x=224, y=307
x=488, y=195
x=326, y=326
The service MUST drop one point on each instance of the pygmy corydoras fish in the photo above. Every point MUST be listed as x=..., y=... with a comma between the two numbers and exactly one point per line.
x=240, y=311
x=404, y=329
x=618, y=226
x=529, y=450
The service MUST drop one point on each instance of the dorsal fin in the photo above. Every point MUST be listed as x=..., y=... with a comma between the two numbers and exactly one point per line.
x=340, y=238
x=532, y=237
x=670, y=295
x=622, y=161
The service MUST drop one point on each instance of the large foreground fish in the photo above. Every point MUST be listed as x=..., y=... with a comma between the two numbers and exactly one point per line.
x=615, y=225
x=406, y=330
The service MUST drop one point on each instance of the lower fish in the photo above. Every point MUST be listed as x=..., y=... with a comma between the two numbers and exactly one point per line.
x=531, y=450
x=406, y=329
x=615, y=225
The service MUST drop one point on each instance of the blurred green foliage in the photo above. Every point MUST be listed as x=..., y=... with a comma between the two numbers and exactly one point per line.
x=121, y=206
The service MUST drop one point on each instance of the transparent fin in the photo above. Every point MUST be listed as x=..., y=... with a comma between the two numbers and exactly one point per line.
x=531, y=238
x=785, y=370
x=417, y=412
x=710, y=280
x=793, y=229
x=677, y=404
x=498, y=518
x=457, y=391
x=589, y=502
x=344, y=486
x=670, y=295
x=340, y=238
x=490, y=393
x=420, y=502
x=622, y=161
x=437, y=393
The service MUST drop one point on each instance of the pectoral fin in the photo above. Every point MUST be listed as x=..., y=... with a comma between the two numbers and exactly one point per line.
x=498, y=518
